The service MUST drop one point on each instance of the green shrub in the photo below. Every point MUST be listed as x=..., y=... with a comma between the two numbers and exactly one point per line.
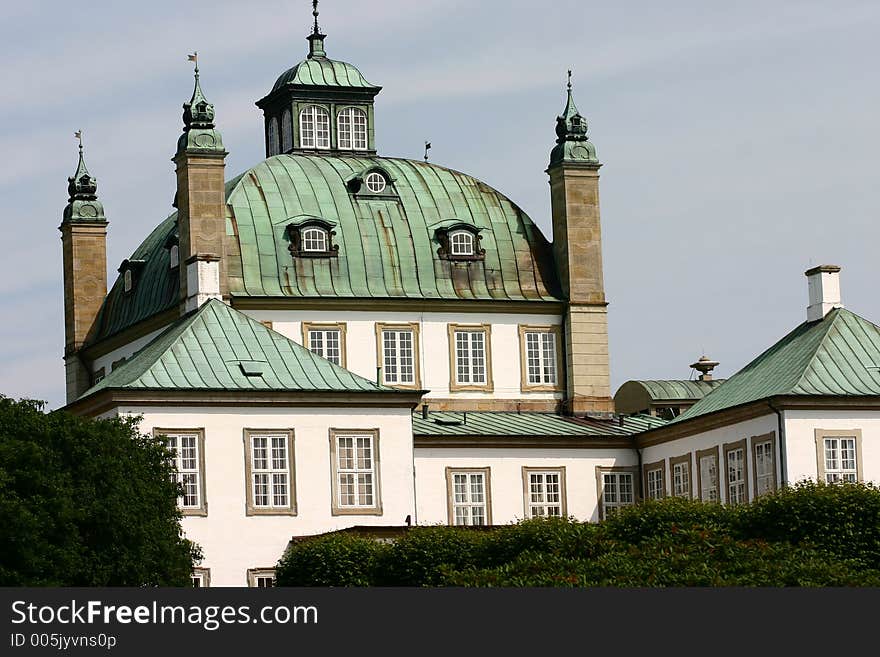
x=330, y=560
x=659, y=518
x=423, y=554
x=560, y=536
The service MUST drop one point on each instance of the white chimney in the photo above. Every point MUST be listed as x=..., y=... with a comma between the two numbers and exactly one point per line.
x=823, y=285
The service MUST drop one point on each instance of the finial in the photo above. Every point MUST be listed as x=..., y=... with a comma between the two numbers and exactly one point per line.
x=198, y=112
x=315, y=30
x=81, y=185
x=194, y=58
x=427, y=146
x=569, y=80
x=79, y=135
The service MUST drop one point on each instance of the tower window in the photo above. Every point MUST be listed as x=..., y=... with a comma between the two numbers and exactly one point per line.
x=273, y=136
x=286, y=132
x=314, y=127
x=375, y=182
x=174, y=256
x=352, y=129
x=314, y=240
x=461, y=243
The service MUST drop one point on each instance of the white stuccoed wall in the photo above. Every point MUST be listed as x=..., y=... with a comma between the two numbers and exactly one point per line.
x=126, y=351
x=433, y=345
x=233, y=542
x=506, y=477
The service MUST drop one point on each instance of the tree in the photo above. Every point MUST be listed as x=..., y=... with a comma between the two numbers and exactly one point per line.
x=86, y=503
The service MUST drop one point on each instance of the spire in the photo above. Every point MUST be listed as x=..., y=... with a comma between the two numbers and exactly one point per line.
x=316, y=39
x=199, y=130
x=572, y=142
x=82, y=189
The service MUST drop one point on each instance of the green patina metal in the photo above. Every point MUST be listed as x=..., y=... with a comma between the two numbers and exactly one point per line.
x=199, y=130
x=572, y=142
x=525, y=425
x=83, y=205
x=218, y=348
x=837, y=356
x=676, y=389
x=318, y=70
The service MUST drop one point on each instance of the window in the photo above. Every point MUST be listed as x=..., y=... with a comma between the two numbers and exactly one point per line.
x=273, y=136
x=201, y=578
x=735, y=468
x=707, y=473
x=539, y=358
x=98, y=376
x=544, y=491
x=174, y=256
x=127, y=280
x=470, y=357
x=326, y=340
x=351, y=126
x=461, y=243
x=375, y=182
x=655, y=484
x=681, y=475
x=616, y=489
x=314, y=127
x=839, y=455
x=269, y=472
x=261, y=578
x=763, y=459
x=355, y=458
x=188, y=446
x=398, y=349
x=314, y=240
x=286, y=131
x=468, y=495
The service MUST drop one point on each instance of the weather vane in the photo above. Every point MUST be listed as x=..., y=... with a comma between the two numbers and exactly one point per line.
x=427, y=146
x=315, y=14
x=79, y=135
x=194, y=58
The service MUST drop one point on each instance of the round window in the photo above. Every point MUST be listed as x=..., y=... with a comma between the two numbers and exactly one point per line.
x=375, y=182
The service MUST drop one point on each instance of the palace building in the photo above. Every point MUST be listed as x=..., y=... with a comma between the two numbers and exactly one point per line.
x=336, y=337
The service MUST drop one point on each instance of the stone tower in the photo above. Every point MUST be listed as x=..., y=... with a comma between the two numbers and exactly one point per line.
x=201, y=203
x=577, y=246
x=84, y=245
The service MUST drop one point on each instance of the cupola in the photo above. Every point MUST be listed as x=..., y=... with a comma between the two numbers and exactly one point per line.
x=572, y=141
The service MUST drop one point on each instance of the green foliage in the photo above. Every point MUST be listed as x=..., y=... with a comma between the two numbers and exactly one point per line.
x=86, y=503
x=330, y=560
x=809, y=535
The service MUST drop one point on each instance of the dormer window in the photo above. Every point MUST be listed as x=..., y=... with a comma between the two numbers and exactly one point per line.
x=351, y=126
x=174, y=256
x=127, y=280
x=375, y=182
x=286, y=132
x=461, y=243
x=273, y=136
x=312, y=237
x=314, y=127
x=130, y=270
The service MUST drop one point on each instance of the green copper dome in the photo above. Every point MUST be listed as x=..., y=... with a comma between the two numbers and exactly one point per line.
x=323, y=72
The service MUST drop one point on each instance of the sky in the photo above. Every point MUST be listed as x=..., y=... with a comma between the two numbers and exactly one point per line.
x=738, y=142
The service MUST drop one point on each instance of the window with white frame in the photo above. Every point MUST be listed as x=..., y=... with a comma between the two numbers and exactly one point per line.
x=765, y=469
x=840, y=459
x=201, y=578
x=286, y=131
x=127, y=280
x=470, y=356
x=187, y=461
x=261, y=578
x=654, y=480
x=314, y=240
x=461, y=243
x=681, y=479
x=709, y=477
x=355, y=471
x=174, y=256
x=375, y=182
x=398, y=356
x=540, y=355
x=617, y=491
x=314, y=127
x=544, y=493
x=273, y=136
x=327, y=343
x=468, y=497
x=269, y=471
x=351, y=125
x=735, y=467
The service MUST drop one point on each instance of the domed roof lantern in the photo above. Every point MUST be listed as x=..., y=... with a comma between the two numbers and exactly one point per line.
x=198, y=112
x=316, y=39
x=572, y=141
x=83, y=204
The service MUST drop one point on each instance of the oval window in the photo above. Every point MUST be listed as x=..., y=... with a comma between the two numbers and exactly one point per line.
x=375, y=182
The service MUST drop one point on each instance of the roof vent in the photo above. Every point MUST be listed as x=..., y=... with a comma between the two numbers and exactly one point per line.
x=251, y=367
x=823, y=286
x=705, y=366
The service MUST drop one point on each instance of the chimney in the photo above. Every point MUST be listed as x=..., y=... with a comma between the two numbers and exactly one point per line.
x=823, y=286
x=705, y=366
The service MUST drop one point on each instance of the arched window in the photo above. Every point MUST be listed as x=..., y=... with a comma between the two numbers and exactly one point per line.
x=174, y=255
x=286, y=132
x=351, y=126
x=461, y=243
x=273, y=136
x=314, y=127
x=127, y=280
x=314, y=240
x=375, y=182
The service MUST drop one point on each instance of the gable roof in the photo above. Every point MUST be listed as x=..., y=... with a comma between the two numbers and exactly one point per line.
x=835, y=356
x=219, y=348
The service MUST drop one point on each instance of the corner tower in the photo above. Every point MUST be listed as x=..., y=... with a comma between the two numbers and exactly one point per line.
x=201, y=202
x=577, y=247
x=84, y=247
x=320, y=105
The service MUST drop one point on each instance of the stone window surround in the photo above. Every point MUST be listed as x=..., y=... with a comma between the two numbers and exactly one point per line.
x=205, y=574
x=821, y=434
x=769, y=437
x=688, y=460
x=524, y=384
x=652, y=467
x=326, y=326
x=600, y=484
x=726, y=449
x=710, y=451
x=380, y=352
x=199, y=432
x=335, y=508
x=487, y=491
x=254, y=573
x=563, y=501
x=486, y=329
x=250, y=508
